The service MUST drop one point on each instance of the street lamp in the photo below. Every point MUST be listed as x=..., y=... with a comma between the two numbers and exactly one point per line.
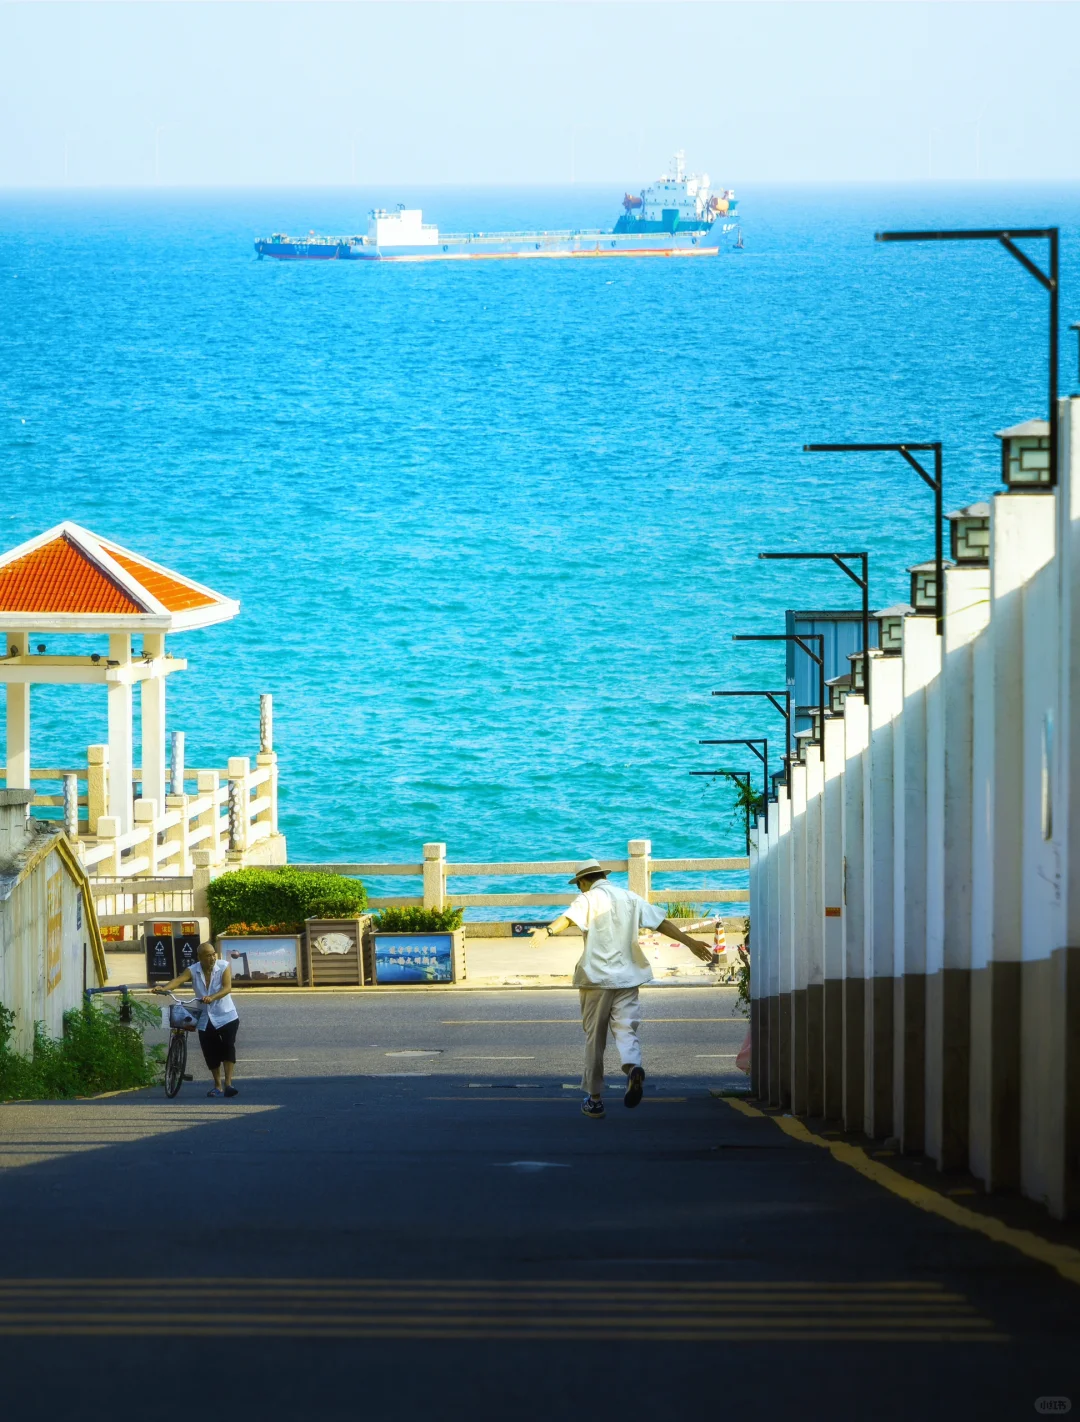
x=763, y=755
x=861, y=581
x=933, y=481
x=818, y=658
x=1006, y=236
x=969, y=536
x=785, y=709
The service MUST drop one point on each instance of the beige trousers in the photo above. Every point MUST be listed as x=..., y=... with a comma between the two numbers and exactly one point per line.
x=603, y=1010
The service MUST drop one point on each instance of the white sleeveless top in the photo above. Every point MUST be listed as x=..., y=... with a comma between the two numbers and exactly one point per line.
x=220, y=1012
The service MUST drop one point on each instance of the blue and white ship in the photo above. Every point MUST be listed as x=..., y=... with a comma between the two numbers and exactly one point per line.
x=678, y=216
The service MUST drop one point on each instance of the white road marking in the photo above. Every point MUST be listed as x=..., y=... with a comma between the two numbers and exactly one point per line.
x=530, y=1167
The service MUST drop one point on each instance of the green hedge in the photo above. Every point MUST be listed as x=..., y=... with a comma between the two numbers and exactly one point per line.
x=418, y=920
x=282, y=898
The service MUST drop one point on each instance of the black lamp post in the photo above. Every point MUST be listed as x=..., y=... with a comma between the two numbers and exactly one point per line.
x=784, y=708
x=763, y=755
x=1006, y=236
x=861, y=581
x=933, y=481
x=800, y=639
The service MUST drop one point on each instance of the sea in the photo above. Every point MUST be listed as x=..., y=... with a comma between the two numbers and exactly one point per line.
x=493, y=525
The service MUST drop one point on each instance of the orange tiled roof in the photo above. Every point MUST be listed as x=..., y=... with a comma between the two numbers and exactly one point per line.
x=171, y=593
x=59, y=577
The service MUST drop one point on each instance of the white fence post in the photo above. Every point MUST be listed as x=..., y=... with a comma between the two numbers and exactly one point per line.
x=179, y=832
x=639, y=873
x=201, y=860
x=71, y=806
x=434, y=876
x=146, y=813
x=97, y=785
x=239, y=799
x=108, y=827
x=209, y=782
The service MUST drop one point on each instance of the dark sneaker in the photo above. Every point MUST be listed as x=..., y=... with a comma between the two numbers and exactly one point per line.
x=589, y=1107
x=231, y=1091
x=635, y=1085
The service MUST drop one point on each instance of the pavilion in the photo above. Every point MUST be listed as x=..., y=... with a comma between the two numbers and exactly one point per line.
x=67, y=580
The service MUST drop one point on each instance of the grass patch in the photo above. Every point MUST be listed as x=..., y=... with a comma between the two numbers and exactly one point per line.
x=98, y=1052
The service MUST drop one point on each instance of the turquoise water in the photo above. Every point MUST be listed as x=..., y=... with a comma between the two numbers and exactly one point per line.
x=492, y=525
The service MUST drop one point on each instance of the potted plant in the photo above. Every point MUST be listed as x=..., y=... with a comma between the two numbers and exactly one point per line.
x=258, y=916
x=417, y=945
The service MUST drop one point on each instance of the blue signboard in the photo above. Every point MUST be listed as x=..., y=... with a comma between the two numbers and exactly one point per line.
x=414, y=958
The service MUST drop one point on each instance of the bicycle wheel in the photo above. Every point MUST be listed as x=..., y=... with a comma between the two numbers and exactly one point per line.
x=175, y=1063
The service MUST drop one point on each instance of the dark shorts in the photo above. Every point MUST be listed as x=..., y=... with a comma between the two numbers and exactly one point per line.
x=219, y=1043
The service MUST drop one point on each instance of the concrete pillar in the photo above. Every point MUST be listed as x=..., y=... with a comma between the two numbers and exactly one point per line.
x=832, y=894
x=120, y=740
x=921, y=664
x=152, y=709
x=856, y=738
x=201, y=875
x=14, y=821
x=639, y=873
x=773, y=1097
x=71, y=805
x=1022, y=538
x=97, y=785
x=18, y=722
x=756, y=964
x=949, y=708
x=109, y=829
x=1064, y=1024
x=797, y=777
x=239, y=800
x=785, y=935
x=814, y=938
x=434, y=876
x=266, y=723
x=177, y=769
x=886, y=699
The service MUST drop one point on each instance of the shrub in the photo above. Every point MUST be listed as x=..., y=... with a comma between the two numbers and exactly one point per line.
x=282, y=898
x=418, y=920
x=678, y=909
x=98, y=1052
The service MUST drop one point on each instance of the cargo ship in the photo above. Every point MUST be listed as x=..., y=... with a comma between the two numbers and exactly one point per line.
x=677, y=216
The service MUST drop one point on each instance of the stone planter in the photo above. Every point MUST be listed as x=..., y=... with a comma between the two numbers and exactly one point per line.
x=416, y=959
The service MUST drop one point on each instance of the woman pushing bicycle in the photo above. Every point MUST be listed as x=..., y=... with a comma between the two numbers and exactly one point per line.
x=211, y=977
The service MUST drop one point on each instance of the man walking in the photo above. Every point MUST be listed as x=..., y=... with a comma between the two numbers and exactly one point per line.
x=609, y=973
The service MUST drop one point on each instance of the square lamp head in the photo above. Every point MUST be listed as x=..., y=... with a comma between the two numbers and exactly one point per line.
x=969, y=536
x=924, y=587
x=1025, y=455
x=838, y=688
x=891, y=622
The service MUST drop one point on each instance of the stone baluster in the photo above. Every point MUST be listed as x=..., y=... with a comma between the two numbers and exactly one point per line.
x=97, y=786
x=434, y=876
x=71, y=805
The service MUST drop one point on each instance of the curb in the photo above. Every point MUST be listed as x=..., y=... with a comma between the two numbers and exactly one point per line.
x=1060, y=1257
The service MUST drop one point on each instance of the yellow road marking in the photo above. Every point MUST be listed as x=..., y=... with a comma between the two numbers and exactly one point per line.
x=892, y=1311
x=1061, y=1257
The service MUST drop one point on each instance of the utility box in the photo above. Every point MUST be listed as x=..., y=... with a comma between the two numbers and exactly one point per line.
x=171, y=945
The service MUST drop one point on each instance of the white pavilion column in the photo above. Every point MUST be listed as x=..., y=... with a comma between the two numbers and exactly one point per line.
x=120, y=740
x=152, y=708
x=18, y=722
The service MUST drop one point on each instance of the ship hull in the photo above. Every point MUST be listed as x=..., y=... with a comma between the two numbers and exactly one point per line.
x=542, y=245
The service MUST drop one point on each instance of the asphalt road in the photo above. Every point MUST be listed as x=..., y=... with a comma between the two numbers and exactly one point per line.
x=442, y=1237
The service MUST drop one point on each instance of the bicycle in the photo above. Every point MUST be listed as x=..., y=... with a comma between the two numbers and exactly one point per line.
x=181, y=1022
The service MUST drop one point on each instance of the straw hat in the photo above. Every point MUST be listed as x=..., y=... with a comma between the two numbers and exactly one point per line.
x=589, y=868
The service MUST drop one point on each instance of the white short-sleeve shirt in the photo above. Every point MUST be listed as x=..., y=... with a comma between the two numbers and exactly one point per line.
x=611, y=919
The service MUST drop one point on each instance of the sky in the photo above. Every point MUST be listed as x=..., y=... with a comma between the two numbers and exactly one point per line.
x=286, y=94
